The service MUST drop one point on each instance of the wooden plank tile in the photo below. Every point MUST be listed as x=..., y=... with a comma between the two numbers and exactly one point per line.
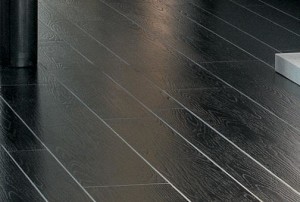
x=207, y=46
x=291, y=8
x=14, y=135
x=162, y=65
x=264, y=85
x=14, y=185
x=51, y=179
x=138, y=85
x=45, y=34
x=275, y=16
x=200, y=12
x=93, y=51
x=184, y=166
x=136, y=193
x=248, y=3
x=258, y=27
x=90, y=150
x=102, y=95
x=267, y=139
x=59, y=57
x=242, y=168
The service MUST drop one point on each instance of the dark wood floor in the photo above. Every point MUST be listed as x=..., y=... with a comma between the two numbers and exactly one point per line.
x=146, y=100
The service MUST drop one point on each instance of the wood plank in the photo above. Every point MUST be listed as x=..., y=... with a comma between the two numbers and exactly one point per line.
x=269, y=192
x=90, y=84
x=145, y=193
x=148, y=59
x=246, y=171
x=205, y=13
x=85, y=146
x=264, y=137
x=142, y=88
x=45, y=34
x=14, y=135
x=14, y=185
x=170, y=76
x=105, y=29
x=158, y=62
x=162, y=16
x=77, y=38
x=175, y=73
x=50, y=178
x=102, y=95
x=60, y=57
x=264, y=85
x=184, y=166
x=250, y=3
x=205, y=47
x=291, y=8
x=168, y=69
x=258, y=27
x=273, y=15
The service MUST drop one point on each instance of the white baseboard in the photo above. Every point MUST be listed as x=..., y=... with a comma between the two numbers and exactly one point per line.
x=288, y=64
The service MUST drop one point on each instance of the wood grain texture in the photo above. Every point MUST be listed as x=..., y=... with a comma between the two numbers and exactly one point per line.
x=90, y=84
x=250, y=3
x=176, y=10
x=41, y=105
x=264, y=137
x=14, y=185
x=207, y=47
x=80, y=39
x=14, y=135
x=213, y=17
x=96, y=33
x=167, y=68
x=143, y=89
x=51, y=179
x=263, y=185
x=262, y=84
x=239, y=17
x=87, y=148
x=206, y=14
x=102, y=95
x=161, y=64
x=94, y=51
x=94, y=155
x=59, y=57
x=290, y=7
x=184, y=166
x=273, y=15
x=147, y=193
x=45, y=34
x=171, y=77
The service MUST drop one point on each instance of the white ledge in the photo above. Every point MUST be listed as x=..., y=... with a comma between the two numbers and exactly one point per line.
x=288, y=64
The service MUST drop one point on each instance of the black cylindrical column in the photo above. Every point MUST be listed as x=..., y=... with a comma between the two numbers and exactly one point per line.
x=4, y=32
x=19, y=28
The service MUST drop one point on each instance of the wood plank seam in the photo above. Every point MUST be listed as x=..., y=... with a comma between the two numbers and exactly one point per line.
x=125, y=142
x=280, y=10
x=59, y=162
x=24, y=173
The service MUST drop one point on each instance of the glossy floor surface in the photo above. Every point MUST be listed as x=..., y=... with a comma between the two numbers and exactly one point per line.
x=146, y=100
